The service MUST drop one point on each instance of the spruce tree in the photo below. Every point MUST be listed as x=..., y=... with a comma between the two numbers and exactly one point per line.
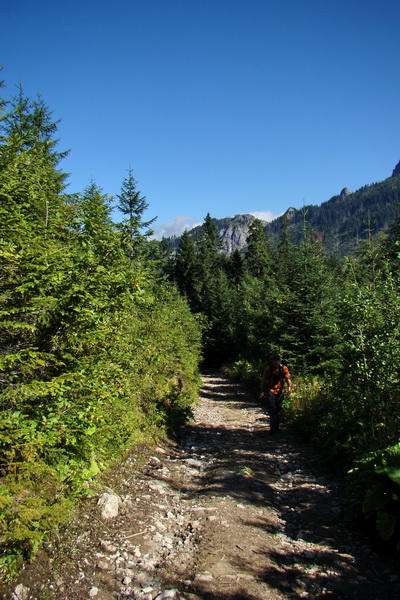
x=220, y=345
x=35, y=226
x=92, y=352
x=309, y=334
x=186, y=271
x=96, y=226
x=208, y=248
x=30, y=124
x=235, y=267
x=133, y=206
x=284, y=252
x=208, y=241
x=258, y=254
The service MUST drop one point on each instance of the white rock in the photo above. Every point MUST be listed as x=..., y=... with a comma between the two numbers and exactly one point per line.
x=104, y=565
x=93, y=592
x=109, y=505
x=108, y=546
x=21, y=592
x=206, y=576
x=194, y=463
x=158, y=486
x=168, y=595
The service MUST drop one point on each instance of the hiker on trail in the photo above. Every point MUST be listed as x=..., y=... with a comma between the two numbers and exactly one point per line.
x=272, y=384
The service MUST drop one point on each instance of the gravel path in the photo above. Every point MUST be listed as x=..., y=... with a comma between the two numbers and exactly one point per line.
x=227, y=513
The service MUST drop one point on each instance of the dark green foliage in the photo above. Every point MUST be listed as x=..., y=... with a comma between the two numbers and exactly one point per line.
x=391, y=244
x=186, y=271
x=209, y=264
x=284, y=253
x=257, y=320
x=97, y=353
x=356, y=417
x=208, y=279
x=309, y=333
x=165, y=258
x=258, y=254
x=133, y=207
x=235, y=267
x=219, y=340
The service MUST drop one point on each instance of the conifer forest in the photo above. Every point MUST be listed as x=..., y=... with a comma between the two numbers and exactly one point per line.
x=104, y=332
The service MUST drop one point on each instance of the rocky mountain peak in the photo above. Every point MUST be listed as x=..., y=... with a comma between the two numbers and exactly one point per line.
x=396, y=170
x=234, y=232
x=290, y=213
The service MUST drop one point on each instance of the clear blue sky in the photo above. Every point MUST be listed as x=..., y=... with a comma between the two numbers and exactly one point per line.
x=219, y=106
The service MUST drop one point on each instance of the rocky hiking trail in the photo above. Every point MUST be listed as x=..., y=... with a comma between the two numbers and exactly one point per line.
x=228, y=512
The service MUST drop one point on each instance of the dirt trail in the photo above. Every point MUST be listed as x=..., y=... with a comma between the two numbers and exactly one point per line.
x=228, y=513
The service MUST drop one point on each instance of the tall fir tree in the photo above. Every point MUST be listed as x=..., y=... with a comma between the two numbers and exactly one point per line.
x=134, y=229
x=284, y=252
x=309, y=333
x=208, y=240
x=235, y=267
x=208, y=248
x=186, y=271
x=30, y=124
x=36, y=190
x=95, y=211
x=35, y=226
x=220, y=343
x=258, y=255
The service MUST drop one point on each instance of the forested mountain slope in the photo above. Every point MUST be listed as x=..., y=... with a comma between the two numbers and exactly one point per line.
x=340, y=222
x=347, y=218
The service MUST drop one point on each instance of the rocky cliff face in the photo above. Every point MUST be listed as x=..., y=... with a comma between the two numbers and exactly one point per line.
x=232, y=231
x=234, y=235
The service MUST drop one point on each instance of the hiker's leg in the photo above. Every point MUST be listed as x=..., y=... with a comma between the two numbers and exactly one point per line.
x=278, y=406
x=272, y=411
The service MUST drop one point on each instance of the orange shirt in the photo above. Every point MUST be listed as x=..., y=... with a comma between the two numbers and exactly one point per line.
x=273, y=378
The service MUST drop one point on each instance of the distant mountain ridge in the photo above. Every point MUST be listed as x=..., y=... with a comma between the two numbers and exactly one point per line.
x=340, y=222
x=345, y=219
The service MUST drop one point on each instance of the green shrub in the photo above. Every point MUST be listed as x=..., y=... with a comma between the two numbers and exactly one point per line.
x=128, y=377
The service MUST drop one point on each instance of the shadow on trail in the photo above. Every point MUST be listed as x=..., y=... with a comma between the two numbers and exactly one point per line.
x=316, y=555
x=241, y=595
x=224, y=394
x=319, y=555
